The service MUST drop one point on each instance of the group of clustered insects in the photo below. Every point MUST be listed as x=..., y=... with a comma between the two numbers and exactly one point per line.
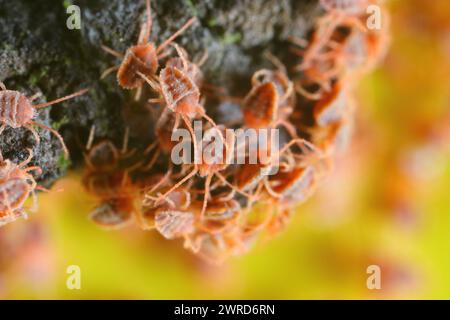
x=214, y=207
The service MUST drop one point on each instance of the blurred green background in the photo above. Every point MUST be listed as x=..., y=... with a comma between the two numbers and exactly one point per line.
x=387, y=203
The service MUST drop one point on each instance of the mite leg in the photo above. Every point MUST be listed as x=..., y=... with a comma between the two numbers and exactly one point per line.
x=108, y=71
x=150, y=147
x=153, y=84
x=70, y=96
x=2, y=86
x=35, y=206
x=233, y=187
x=34, y=96
x=308, y=95
x=56, y=134
x=269, y=189
x=2, y=128
x=138, y=93
x=176, y=186
x=161, y=182
x=176, y=34
x=203, y=59
x=182, y=55
x=35, y=134
x=152, y=160
x=112, y=52
x=146, y=29
x=90, y=138
x=187, y=201
x=206, y=195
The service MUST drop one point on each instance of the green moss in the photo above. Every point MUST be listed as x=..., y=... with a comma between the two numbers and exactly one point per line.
x=230, y=38
x=212, y=22
x=63, y=163
x=58, y=124
x=36, y=76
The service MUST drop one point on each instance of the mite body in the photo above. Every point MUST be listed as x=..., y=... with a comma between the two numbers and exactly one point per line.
x=261, y=106
x=113, y=213
x=110, y=183
x=141, y=58
x=220, y=216
x=181, y=95
x=326, y=54
x=17, y=111
x=284, y=86
x=16, y=184
x=270, y=102
x=173, y=218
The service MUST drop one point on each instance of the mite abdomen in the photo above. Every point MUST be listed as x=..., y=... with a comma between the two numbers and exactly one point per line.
x=181, y=94
x=15, y=108
x=13, y=192
x=260, y=106
x=140, y=58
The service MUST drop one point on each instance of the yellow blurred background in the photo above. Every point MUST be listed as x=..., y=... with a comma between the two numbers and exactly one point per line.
x=387, y=203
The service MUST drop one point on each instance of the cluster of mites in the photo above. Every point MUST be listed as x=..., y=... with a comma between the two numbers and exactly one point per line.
x=211, y=206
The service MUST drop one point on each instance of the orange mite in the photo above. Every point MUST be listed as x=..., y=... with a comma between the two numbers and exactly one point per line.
x=270, y=101
x=16, y=184
x=261, y=106
x=106, y=180
x=16, y=111
x=174, y=218
x=182, y=96
x=220, y=215
x=141, y=58
x=113, y=213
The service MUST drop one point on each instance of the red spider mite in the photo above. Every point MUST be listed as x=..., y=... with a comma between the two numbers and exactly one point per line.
x=220, y=215
x=16, y=111
x=163, y=144
x=284, y=86
x=320, y=59
x=261, y=106
x=208, y=168
x=103, y=176
x=174, y=224
x=255, y=176
x=179, y=200
x=141, y=58
x=352, y=50
x=174, y=218
x=182, y=96
x=163, y=130
x=16, y=184
x=192, y=68
x=270, y=101
x=110, y=183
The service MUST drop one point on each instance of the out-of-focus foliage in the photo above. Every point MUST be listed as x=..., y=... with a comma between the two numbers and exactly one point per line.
x=386, y=204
